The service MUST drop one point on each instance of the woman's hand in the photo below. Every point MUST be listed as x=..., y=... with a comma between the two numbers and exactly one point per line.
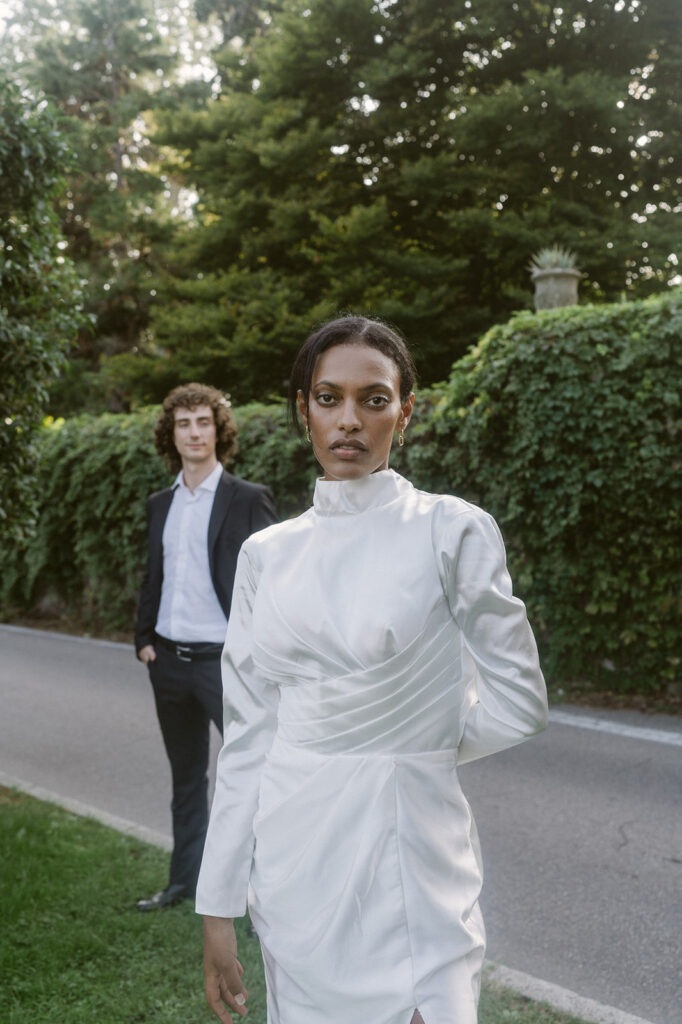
x=222, y=970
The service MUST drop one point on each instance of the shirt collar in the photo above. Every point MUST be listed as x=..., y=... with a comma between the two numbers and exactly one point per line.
x=209, y=484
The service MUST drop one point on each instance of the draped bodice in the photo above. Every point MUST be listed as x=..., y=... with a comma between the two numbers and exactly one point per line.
x=353, y=623
x=405, y=704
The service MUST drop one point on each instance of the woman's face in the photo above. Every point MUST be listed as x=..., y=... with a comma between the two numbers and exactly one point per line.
x=354, y=409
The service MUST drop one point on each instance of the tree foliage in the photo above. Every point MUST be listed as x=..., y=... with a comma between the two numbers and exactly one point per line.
x=102, y=65
x=406, y=159
x=39, y=300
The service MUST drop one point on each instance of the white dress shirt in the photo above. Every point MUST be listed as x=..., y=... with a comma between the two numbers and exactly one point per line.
x=189, y=610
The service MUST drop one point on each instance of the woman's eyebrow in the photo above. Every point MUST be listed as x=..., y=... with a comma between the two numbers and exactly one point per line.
x=339, y=387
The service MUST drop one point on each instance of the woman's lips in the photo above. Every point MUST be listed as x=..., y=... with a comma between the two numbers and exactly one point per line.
x=348, y=449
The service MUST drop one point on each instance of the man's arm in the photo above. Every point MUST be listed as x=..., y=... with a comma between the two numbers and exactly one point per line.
x=148, y=605
x=263, y=511
x=250, y=509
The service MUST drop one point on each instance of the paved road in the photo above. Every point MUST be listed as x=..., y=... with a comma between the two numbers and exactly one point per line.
x=580, y=829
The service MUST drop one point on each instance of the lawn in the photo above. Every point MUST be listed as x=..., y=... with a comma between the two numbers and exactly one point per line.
x=74, y=950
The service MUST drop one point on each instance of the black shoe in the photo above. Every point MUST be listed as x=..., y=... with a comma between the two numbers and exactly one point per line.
x=168, y=897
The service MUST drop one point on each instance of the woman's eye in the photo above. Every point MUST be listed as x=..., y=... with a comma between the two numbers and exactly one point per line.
x=324, y=398
x=378, y=401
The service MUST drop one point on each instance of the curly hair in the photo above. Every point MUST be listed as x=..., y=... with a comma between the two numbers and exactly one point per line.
x=189, y=396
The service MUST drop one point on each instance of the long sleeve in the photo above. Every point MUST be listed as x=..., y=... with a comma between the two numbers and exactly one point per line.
x=250, y=716
x=507, y=699
x=150, y=592
x=263, y=511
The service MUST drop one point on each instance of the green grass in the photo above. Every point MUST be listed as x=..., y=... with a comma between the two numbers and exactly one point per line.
x=74, y=950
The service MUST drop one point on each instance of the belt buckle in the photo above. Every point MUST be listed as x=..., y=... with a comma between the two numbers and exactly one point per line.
x=181, y=651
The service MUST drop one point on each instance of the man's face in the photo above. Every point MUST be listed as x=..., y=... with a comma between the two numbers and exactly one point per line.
x=194, y=434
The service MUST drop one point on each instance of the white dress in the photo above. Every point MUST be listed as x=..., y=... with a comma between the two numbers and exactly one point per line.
x=373, y=645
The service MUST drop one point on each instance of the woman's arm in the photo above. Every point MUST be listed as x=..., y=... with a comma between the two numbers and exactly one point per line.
x=250, y=714
x=508, y=699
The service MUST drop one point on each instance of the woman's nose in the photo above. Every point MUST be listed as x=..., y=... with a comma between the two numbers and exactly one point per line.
x=349, y=416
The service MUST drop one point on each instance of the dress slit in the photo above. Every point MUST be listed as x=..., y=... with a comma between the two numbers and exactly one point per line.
x=417, y=1018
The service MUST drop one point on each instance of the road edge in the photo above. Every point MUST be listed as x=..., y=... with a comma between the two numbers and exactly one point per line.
x=559, y=998
x=128, y=828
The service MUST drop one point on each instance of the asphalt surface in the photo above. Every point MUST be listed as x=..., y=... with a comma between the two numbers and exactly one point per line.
x=581, y=829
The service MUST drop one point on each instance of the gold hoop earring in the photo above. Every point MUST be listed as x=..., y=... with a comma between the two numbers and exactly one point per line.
x=401, y=438
x=307, y=435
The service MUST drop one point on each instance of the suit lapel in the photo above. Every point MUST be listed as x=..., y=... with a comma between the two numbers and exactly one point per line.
x=158, y=520
x=223, y=497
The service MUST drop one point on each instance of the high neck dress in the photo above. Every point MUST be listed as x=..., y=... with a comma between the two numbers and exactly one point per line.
x=373, y=644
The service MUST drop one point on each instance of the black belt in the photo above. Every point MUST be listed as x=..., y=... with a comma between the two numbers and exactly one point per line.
x=191, y=651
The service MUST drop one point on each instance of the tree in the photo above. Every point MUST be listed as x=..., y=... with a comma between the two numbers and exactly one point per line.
x=102, y=64
x=40, y=308
x=236, y=18
x=406, y=159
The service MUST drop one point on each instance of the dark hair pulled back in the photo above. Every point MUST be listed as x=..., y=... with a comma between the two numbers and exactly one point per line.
x=359, y=330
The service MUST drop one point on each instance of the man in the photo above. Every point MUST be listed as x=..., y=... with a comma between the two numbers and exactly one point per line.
x=196, y=528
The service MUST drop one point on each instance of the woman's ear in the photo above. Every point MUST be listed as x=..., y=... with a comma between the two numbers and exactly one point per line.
x=302, y=408
x=406, y=412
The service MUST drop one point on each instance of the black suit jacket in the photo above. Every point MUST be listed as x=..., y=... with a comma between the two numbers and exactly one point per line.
x=239, y=509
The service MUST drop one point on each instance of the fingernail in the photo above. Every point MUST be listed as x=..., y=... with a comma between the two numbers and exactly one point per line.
x=240, y=999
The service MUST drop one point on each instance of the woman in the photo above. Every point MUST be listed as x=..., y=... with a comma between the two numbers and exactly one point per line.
x=374, y=644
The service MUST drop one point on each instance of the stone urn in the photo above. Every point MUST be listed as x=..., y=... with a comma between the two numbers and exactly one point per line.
x=554, y=287
x=554, y=273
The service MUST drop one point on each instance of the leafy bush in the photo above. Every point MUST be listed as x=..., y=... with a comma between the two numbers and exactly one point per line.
x=565, y=425
x=95, y=475
x=270, y=453
x=39, y=296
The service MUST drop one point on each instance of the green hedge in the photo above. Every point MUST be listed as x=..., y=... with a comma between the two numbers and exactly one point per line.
x=86, y=557
x=95, y=475
x=566, y=425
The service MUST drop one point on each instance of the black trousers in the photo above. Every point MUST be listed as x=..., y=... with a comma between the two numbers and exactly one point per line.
x=188, y=697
